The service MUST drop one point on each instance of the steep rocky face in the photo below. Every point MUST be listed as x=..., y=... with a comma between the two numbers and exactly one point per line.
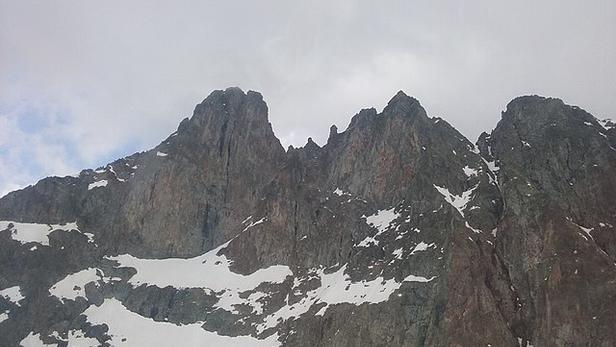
x=178, y=199
x=556, y=237
x=397, y=232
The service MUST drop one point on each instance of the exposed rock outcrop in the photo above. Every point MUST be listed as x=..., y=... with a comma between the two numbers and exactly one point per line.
x=397, y=232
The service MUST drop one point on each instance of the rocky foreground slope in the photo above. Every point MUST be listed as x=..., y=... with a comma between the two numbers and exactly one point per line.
x=397, y=232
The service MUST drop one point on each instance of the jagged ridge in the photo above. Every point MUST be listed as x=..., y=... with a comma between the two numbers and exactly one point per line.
x=398, y=232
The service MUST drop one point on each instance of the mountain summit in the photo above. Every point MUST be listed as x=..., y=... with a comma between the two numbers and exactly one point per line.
x=397, y=232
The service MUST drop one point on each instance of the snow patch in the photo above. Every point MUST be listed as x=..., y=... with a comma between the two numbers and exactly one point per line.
x=586, y=230
x=469, y=171
x=381, y=220
x=98, y=184
x=398, y=253
x=4, y=316
x=210, y=272
x=337, y=288
x=459, y=202
x=476, y=231
x=254, y=223
x=140, y=331
x=161, y=154
x=115, y=174
x=73, y=286
x=33, y=232
x=12, y=294
x=421, y=246
x=340, y=192
x=78, y=339
x=492, y=165
x=607, y=124
x=33, y=340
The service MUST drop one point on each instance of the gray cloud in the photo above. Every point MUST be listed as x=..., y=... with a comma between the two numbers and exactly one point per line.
x=82, y=82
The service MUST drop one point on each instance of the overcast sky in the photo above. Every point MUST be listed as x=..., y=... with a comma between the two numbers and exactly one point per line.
x=84, y=82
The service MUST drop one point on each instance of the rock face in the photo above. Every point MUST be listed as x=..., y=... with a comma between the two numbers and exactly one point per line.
x=397, y=232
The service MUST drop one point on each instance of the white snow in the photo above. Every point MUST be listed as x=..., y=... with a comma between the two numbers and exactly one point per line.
x=413, y=278
x=90, y=237
x=381, y=221
x=33, y=232
x=421, y=246
x=587, y=231
x=369, y=240
x=140, y=331
x=526, y=144
x=254, y=223
x=340, y=192
x=492, y=166
x=475, y=230
x=605, y=123
x=73, y=286
x=520, y=342
x=210, y=272
x=230, y=298
x=76, y=338
x=98, y=184
x=382, y=218
x=115, y=174
x=4, y=316
x=398, y=253
x=161, y=154
x=457, y=201
x=337, y=288
x=32, y=340
x=469, y=171
x=13, y=294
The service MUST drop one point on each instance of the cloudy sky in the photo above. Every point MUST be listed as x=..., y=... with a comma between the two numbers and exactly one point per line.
x=84, y=82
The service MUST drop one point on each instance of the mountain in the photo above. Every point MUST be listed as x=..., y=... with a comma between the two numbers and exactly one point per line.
x=397, y=232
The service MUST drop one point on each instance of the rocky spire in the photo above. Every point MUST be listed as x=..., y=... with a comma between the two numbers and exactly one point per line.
x=404, y=105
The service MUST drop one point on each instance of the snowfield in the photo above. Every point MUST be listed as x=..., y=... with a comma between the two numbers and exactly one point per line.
x=34, y=232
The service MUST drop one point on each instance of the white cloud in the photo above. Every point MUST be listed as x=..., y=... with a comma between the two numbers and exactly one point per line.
x=109, y=78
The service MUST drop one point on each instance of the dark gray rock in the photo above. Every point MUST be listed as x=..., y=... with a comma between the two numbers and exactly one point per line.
x=511, y=241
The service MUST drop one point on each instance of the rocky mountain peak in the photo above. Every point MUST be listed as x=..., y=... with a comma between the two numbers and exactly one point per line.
x=363, y=119
x=228, y=121
x=311, y=145
x=223, y=110
x=396, y=233
x=541, y=110
x=403, y=104
x=333, y=132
